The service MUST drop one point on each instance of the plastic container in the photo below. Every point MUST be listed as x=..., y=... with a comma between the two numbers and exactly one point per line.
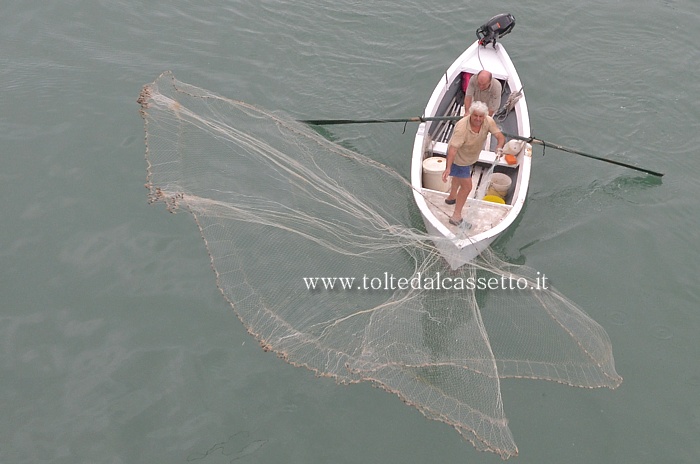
x=433, y=168
x=500, y=183
x=513, y=147
x=494, y=199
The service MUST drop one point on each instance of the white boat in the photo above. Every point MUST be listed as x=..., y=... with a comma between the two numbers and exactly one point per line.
x=488, y=219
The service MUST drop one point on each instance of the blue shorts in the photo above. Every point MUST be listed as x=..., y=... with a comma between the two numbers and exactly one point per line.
x=460, y=171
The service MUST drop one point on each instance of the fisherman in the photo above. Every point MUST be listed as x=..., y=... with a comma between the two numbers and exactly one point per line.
x=486, y=88
x=463, y=152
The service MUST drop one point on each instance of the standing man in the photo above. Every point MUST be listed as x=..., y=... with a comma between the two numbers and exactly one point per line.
x=463, y=151
x=485, y=88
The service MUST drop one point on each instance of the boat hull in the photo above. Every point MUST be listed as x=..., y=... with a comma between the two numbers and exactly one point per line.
x=460, y=245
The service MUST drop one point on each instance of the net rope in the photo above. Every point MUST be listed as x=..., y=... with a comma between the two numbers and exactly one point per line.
x=278, y=205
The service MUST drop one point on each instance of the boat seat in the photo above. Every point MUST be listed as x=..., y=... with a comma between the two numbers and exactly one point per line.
x=486, y=156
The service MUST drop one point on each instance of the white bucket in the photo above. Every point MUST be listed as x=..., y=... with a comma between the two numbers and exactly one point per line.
x=513, y=147
x=500, y=183
x=433, y=168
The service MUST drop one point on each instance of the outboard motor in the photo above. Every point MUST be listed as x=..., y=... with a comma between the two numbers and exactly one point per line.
x=495, y=28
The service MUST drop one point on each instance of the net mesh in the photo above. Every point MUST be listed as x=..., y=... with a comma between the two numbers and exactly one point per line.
x=282, y=209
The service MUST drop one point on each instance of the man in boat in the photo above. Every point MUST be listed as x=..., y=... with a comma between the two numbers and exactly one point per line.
x=486, y=88
x=463, y=151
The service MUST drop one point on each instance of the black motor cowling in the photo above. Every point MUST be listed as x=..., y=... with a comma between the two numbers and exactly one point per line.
x=495, y=28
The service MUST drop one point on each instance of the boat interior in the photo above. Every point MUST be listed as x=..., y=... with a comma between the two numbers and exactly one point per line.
x=480, y=214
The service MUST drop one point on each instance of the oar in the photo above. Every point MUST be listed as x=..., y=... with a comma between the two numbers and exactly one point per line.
x=324, y=122
x=327, y=122
x=576, y=152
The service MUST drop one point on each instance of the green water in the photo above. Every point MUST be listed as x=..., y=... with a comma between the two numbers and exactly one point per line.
x=117, y=346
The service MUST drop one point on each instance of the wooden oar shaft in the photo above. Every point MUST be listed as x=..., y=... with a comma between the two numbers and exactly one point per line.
x=324, y=122
x=576, y=152
x=327, y=122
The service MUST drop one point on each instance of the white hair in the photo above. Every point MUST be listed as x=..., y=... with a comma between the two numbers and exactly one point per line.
x=478, y=107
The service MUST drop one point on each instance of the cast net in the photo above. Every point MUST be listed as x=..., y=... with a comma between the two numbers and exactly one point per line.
x=318, y=251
